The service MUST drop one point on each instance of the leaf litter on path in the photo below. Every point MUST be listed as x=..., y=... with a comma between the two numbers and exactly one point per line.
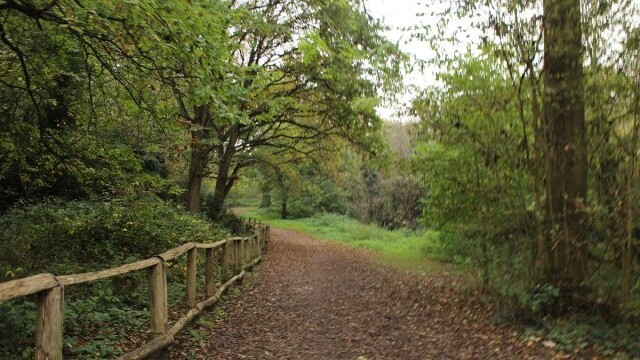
x=318, y=300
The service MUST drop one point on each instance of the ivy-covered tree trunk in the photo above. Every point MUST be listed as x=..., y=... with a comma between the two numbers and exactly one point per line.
x=564, y=119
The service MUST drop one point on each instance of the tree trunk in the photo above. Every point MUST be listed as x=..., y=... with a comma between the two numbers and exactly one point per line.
x=199, y=158
x=194, y=185
x=631, y=203
x=266, y=199
x=219, y=192
x=283, y=210
x=566, y=137
x=224, y=181
x=542, y=248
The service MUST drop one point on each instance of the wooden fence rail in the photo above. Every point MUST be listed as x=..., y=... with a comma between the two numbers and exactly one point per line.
x=239, y=254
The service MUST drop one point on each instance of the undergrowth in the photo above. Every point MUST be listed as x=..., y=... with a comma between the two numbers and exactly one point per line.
x=581, y=334
x=102, y=319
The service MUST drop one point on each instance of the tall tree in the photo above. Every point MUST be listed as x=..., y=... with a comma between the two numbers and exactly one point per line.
x=574, y=233
x=564, y=117
x=300, y=72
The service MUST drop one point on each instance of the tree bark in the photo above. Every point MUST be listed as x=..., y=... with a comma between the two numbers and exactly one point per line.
x=224, y=180
x=265, y=202
x=199, y=157
x=283, y=210
x=566, y=137
x=194, y=185
x=219, y=192
x=631, y=203
x=542, y=248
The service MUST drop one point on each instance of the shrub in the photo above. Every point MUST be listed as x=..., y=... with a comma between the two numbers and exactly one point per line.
x=60, y=237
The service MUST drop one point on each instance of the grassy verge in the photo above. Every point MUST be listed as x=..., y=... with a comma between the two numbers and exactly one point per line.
x=401, y=248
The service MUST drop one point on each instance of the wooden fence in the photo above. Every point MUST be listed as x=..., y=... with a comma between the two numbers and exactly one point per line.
x=239, y=254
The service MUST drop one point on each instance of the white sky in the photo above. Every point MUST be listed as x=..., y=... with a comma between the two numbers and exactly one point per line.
x=399, y=14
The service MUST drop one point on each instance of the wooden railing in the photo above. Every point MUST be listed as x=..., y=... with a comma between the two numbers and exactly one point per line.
x=239, y=254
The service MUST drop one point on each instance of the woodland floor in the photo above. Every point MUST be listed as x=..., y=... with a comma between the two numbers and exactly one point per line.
x=315, y=300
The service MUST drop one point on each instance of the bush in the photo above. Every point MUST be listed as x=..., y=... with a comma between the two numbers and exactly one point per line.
x=391, y=201
x=17, y=329
x=58, y=237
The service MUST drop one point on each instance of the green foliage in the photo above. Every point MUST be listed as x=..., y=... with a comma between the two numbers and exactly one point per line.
x=96, y=322
x=403, y=248
x=614, y=341
x=372, y=190
x=543, y=298
x=391, y=200
x=479, y=189
x=245, y=193
x=63, y=237
x=17, y=329
x=72, y=237
x=274, y=105
x=87, y=320
x=317, y=193
x=77, y=116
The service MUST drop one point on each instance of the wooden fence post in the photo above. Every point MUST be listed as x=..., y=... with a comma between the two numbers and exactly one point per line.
x=256, y=246
x=249, y=251
x=238, y=256
x=210, y=262
x=157, y=278
x=257, y=241
x=234, y=255
x=191, y=277
x=246, y=242
x=49, y=326
x=224, y=268
x=261, y=240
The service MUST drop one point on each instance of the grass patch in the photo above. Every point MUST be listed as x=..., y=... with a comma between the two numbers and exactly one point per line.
x=401, y=248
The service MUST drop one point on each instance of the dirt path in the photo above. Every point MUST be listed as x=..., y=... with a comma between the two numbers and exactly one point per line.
x=314, y=300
